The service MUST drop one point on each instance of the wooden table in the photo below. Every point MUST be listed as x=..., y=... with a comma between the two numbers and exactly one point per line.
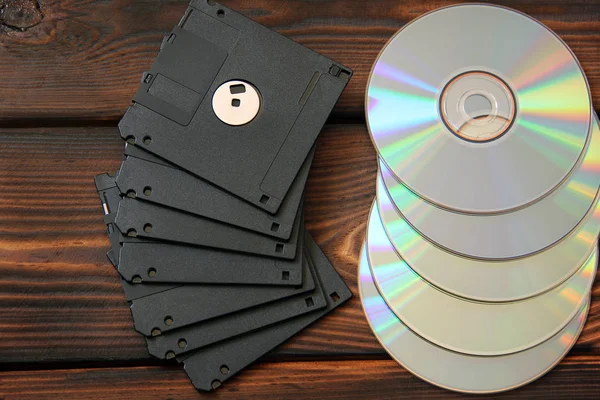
x=68, y=70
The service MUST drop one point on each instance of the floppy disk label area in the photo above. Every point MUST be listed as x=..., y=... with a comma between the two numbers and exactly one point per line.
x=181, y=75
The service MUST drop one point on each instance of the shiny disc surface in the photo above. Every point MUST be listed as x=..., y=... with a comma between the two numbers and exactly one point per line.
x=477, y=121
x=467, y=326
x=508, y=235
x=455, y=371
x=489, y=281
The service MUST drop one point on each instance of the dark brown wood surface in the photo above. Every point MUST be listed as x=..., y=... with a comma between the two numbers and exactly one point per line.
x=68, y=70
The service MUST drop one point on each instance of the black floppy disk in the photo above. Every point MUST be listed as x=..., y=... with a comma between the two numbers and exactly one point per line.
x=234, y=102
x=170, y=310
x=140, y=259
x=209, y=366
x=137, y=218
x=175, y=263
x=214, y=330
x=155, y=180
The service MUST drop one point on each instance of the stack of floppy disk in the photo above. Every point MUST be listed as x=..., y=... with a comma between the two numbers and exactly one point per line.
x=205, y=214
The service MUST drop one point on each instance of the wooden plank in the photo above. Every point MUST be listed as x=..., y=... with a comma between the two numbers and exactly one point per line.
x=83, y=60
x=576, y=376
x=60, y=300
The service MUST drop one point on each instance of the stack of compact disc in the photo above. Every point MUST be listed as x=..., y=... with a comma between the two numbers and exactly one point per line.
x=205, y=214
x=481, y=246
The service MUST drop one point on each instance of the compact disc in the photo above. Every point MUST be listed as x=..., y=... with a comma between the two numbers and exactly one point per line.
x=455, y=371
x=467, y=326
x=489, y=281
x=475, y=117
x=509, y=235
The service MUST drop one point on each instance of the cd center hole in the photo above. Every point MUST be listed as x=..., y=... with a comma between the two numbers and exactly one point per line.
x=478, y=106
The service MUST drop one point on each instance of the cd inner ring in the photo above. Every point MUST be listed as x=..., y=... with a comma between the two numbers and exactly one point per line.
x=477, y=106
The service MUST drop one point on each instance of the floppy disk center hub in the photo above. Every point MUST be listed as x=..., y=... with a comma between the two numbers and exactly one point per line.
x=236, y=102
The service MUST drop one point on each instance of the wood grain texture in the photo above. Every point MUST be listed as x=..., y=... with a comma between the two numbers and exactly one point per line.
x=60, y=299
x=65, y=327
x=82, y=60
x=575, y=377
